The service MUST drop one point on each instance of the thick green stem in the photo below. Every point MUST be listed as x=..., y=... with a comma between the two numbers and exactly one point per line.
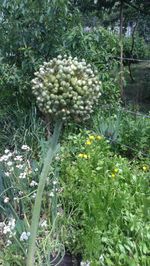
x=37, y=206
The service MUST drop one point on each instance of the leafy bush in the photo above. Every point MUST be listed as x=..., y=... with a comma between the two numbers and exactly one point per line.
x=104, y=209
x=129, y=133
x=140, y=50
x=135, y=136
x=37, y=32
x=99, y=46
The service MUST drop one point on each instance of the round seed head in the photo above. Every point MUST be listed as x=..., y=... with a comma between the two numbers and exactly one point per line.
x=66, y=88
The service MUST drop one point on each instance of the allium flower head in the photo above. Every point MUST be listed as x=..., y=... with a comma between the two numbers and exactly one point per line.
x=66, y=88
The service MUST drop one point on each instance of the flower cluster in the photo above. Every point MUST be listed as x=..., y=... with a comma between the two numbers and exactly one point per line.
x=9, y=227
x=17, y=166
x=89, y=141
x=114, y=172
x=83, y=155
x=66, y=88
x=24, y=236
x=92, y=138
x=14, y=162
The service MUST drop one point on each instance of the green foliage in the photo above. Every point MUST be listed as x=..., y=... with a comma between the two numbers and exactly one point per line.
x=19, y=179
x=135, y=134
x=99, y=46
x=102, y=206
x=30, y=32
x=140, y=49
x=96, y=44
x=43, y=30
x=19, y=126
x=104, y=203
x=129, y=133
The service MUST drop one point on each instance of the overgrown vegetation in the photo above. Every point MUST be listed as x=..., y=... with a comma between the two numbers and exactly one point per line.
x=95, y=204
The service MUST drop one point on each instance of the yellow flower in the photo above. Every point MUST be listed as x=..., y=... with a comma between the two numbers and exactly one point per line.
x=145, y=168
x=113, y=175
x=98, y=137
x=83, y=155
x=88, y=142
x=116, y=170
x=91, y=137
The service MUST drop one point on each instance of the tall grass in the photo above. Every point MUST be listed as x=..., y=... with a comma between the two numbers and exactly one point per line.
x=20, y=126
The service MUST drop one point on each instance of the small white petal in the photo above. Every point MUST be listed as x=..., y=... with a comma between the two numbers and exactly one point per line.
x=7, y=174
x=33, y=183
x=7, y=151
x=9, y=163
x=6, y=200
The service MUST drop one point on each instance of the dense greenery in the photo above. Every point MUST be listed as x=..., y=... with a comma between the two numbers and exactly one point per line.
x=101, y=216
x=95, y=204
x=96, y=189
x=128, y=133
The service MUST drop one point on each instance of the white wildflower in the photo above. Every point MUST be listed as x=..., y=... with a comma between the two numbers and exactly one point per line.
x=16, y=198
x=24, y=236
x=52, y=194
x=12, y=223
x=10, y=226
x=6, y=200
x=4, y=158
x=7, y=174
x=33, y=195
x=8, y=243
x=43, y=223
x=6, y=229
x=7, y=151
x=9, y=154
x=28, y=170
x=19, y=166
x=54, y=182
x=20, y=193
x=18, y=158
x=22, y=175
x=33, y=183
x=12, y=233
x=9, y=163
x=36, y=169
x=57, y=158
x=11, y=169
x=25, y=148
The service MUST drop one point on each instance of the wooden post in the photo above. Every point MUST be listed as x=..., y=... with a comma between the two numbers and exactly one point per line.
x=121, y=48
